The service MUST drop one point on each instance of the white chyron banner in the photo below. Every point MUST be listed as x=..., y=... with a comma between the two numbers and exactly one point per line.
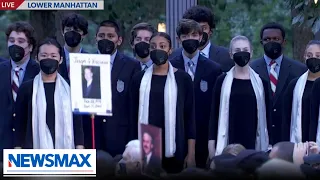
x=90, y=81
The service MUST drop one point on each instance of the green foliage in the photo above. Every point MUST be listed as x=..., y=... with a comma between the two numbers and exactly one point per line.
x=307, y=14
x=246, y=17
x=234, y=17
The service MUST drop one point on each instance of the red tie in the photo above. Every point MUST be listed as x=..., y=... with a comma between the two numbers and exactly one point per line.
x=273, y=76
x=15, y=83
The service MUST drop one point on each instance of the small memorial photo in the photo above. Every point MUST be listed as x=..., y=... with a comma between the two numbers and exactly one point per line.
x=91, y=82
x=150, y=139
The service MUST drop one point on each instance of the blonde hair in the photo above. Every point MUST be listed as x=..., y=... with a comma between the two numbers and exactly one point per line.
x=237, y=38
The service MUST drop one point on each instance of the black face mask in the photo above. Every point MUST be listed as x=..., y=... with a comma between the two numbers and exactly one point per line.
x=241, y=58
x=190, y=45
x=106, y=46
x=273, y=50
x=142, y=49
x=159, y=57
x=72, y=38
x=204, y=39
x=16, y=53
x=49, y=66
x=313, y=64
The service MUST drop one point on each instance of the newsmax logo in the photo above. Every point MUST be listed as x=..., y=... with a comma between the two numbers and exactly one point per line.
x=49, y=162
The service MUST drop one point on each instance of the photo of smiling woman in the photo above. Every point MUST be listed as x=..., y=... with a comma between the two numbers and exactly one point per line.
x=240, y=103
x=44, y=118
x=163, y=96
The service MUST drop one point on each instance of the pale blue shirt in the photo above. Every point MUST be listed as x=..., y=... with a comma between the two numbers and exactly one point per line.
x=22, y=70
x=194, y=60
x=278, y=61
x=149, y=63
x=112, y=57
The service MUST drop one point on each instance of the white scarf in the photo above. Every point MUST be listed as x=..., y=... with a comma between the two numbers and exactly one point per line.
x=262, y=139
x=296, y=112
x=42, y=139
x=170, y=101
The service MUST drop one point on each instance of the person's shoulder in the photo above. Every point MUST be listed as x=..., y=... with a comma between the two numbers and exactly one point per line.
x=127, y=58
x=210, y=64
x=175, y=52
x=256, y=61
x=26, y=86
x=221, y=77
x=294, y=62
x=222, y=49
x=5, y=64
x=138, y=76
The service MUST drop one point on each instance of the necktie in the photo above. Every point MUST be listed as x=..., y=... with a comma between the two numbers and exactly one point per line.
x=144, y=67
x=191, y=69
x=15, y=83
x=273, y=76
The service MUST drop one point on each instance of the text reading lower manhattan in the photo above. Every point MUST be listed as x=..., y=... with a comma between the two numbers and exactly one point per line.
x=63, y=5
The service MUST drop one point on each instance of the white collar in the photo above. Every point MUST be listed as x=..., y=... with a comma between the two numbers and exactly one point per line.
x=206, y=50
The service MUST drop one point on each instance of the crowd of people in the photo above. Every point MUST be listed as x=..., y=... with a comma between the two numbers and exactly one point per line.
x=222, y=114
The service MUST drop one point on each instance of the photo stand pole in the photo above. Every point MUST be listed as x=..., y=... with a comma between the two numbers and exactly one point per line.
x=92, y=131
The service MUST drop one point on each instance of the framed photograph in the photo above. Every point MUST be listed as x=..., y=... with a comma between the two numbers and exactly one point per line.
x=90, y=82
x=151, y=144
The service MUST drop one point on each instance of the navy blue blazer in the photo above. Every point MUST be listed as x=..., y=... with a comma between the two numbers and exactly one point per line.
x=63, y=70
x=7, y=114
x=289, y=70
x=205, y=77
x=2, y=60
x=217, y=54
x=112, y=133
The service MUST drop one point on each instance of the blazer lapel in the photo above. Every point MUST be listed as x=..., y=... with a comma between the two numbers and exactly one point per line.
x=284, y=73
x=29, y=70
x=118, y=63
x=199, y=70
x=262, y=69
x=180, y=62
x=213, y=53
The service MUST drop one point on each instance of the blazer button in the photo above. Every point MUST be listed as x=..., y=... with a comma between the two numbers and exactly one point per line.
x=104, y=120
x=274, y=110
x=14, y=114
x=273, y=126
x=13, y=129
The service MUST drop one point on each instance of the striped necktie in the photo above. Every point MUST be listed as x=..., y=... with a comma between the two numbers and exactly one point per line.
x=273, y=76
x=15, y=82
x=191, y=69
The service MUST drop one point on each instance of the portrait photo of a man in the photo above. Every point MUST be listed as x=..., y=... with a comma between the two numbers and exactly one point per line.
x=91, y=82
x=150, y=158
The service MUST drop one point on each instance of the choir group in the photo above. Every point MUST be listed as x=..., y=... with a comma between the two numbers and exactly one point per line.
x=203, y=96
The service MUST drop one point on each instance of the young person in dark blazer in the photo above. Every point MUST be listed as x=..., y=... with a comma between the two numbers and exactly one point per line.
x=204, y=74
x=20, y=68
x=74, y=30
x=297, y=98
x=112, y=133
x=44, y=117
x=218, y=54
x=163, y=96
x=280, y=69
x=140, y=37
